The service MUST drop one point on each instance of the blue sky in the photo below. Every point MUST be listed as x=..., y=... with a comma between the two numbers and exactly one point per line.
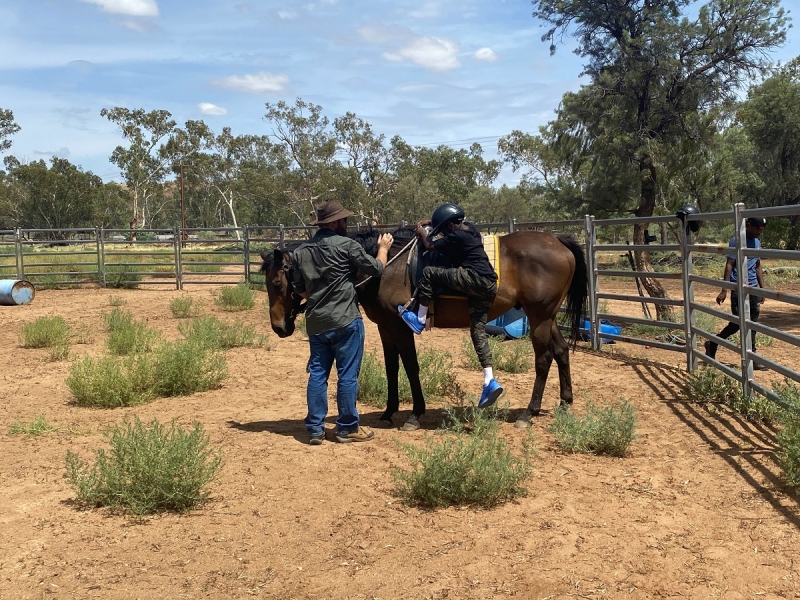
x=431, y=71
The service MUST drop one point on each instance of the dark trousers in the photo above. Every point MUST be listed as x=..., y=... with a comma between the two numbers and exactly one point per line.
x=731, y=328
x=480, y=291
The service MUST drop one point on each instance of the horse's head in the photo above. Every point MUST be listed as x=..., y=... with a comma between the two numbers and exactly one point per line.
x=284, y=303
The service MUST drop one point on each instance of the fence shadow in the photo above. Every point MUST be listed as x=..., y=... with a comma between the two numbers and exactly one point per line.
x=748, y=448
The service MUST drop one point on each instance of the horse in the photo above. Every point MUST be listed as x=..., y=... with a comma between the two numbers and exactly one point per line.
x=539, y=271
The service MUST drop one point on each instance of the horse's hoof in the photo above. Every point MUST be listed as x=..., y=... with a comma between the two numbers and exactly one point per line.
x=383, y=424
x=522, y=424
x=412, y=424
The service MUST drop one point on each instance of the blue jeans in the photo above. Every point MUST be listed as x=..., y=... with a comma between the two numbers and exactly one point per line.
x=345, y=345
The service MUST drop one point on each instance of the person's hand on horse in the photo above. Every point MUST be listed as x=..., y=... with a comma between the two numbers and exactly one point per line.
x=385, y=241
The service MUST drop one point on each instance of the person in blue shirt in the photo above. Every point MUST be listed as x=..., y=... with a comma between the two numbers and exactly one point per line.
x=755, y=277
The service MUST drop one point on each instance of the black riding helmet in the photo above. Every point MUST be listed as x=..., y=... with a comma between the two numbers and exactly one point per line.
x=688, y=209
x=759, y=222
x=444, y=214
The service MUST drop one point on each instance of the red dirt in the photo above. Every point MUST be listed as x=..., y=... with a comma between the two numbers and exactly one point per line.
x=698, y=509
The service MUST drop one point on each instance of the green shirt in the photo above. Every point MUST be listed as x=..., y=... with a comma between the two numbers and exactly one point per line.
x=325, y=268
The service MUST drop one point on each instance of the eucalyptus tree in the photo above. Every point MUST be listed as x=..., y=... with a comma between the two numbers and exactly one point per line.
x=57, y=196
x=303, y=131
x=8, y=127
x=770, y=118
x=155, y=145
x=656, y=77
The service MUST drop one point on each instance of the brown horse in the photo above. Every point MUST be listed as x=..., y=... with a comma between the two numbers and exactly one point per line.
x=538, y=271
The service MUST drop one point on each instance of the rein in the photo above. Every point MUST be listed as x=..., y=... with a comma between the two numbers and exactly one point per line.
x=391, y=260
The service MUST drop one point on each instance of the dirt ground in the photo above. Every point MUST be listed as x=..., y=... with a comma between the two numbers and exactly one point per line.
x=697, y=510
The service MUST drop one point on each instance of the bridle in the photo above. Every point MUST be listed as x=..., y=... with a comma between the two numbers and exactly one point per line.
x=298, y=306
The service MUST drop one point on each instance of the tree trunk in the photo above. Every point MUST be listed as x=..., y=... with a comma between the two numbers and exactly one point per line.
x=642, y=257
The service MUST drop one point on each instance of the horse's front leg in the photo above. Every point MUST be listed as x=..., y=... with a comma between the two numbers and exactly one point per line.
x=391, y=359
x=408, y=353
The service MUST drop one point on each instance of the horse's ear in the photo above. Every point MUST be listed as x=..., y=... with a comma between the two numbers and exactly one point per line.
x=277, y=256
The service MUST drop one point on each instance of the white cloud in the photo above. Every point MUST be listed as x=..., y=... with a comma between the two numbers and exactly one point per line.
x=257, y=82
x=485, y=54
x=207, y=108
x=378, y=34
x=429, y=52
x=286, y=15
x=135, y=8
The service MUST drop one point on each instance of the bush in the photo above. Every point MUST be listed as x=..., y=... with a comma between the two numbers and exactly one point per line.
x=123, y=277
x=512, y=356
x=111, y=381
x=183, y=368
x=45, y=332
x=457, y=469
x=149, y=469
x=126, y=336
x=714, y=387
x=236, y=298
x=182, y=307
x=606, y=429
x=211, y=332
x=372, y=386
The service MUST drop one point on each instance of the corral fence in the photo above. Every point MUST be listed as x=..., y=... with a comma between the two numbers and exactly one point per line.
x=183, y=257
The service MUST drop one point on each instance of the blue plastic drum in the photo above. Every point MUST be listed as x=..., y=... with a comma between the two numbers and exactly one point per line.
x=16, y=291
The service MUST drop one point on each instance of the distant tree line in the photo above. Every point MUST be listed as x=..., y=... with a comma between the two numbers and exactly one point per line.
x=657, y=124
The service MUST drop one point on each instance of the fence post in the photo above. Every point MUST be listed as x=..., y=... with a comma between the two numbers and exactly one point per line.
x=18, y=253
x=744, y=298
x=591, y=267
x=282, y=238
x=512, y=224
x=101, y=257
x=246, y=251
x=177, y=248
x=688, y=298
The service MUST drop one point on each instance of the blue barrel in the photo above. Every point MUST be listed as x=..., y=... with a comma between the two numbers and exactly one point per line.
x=16, y=291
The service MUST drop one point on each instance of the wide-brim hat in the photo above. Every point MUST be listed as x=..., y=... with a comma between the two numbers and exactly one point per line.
x=331, y=211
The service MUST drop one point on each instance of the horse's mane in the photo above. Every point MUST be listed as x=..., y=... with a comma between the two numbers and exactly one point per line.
x=368, y=239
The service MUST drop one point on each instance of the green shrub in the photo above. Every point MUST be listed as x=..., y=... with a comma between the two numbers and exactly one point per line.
x=39, y=426
x=116, y=301
x=608, y=429
x=123, y=276
x=455, y=470
x=512, y=356
x=789, y=449
x=111, y=381
x=183, y=368
x=235, y=298
x=710, y=385
x=45, y=332
x=182, y=307
x=213, y=333
x=126, y=336
x=468, y=418
x=150, y=468
x=372, y=386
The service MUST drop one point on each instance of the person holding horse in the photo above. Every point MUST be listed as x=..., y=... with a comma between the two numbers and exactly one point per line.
x=471, y=273
x=324, y=273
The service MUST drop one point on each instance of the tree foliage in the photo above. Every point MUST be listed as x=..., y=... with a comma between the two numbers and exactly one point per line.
x=8, y=127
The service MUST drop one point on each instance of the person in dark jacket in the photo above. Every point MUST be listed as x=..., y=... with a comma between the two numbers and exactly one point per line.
x=471, y=273
x=324, y=274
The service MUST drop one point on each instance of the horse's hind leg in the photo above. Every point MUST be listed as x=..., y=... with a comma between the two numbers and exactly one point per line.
x=561, y=354
x=408, y=353
x=541, y=338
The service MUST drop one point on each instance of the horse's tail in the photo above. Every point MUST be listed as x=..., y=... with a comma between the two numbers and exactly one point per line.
x=578, y=289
